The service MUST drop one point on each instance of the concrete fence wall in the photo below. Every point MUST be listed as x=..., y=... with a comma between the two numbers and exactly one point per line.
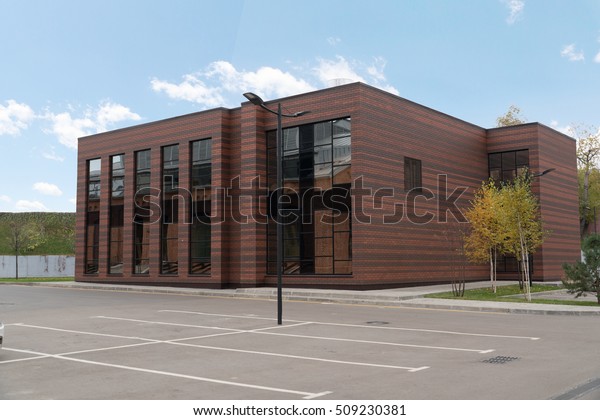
x=38, y=266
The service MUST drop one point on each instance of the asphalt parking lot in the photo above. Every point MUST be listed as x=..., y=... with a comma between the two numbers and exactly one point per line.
x=89, y=344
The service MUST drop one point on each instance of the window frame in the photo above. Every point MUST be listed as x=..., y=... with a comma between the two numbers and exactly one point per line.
x=413, y=174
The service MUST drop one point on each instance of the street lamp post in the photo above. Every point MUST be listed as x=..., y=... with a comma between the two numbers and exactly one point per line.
x=538, y=175
x=256, y=100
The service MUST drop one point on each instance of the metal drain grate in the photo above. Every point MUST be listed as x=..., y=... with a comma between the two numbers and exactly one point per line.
x=376, y=323
x=500, y=360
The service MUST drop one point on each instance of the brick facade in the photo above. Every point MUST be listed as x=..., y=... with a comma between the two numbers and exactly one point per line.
x=393, y=241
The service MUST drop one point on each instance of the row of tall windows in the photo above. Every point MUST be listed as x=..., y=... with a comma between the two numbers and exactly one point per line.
x=316, y=216
x=200, y=229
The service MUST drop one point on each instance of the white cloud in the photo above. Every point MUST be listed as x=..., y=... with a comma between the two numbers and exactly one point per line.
x=5, y=198
x=68, y=129
x=47, y=189
x=515, y=8
x=328, y=71
x=109, y=114
x=597, y=58
x=268, y=81
x=567, y=129
x=340, y=70
x=14, y=117
x=333, y=40
x=51, y=155
x=226, y=79
x=73, y=201
x=570, y=53
x=221, y=84
x=192, y=89
x=26, y=205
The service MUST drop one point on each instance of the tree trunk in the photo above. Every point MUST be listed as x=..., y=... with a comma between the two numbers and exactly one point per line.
x=492, y=271
x=525, y=261
x=495, y=269
x=17, y=244
x=586, y=188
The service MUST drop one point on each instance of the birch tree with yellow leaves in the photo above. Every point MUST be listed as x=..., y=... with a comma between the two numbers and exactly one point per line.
x=484, y=239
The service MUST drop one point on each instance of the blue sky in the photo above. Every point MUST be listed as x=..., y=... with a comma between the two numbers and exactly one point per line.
x=72, y=68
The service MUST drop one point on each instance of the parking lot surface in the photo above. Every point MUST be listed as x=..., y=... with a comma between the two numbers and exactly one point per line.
x=93, y=344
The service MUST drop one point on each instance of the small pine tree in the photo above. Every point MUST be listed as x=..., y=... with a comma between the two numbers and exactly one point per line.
x=584, y=277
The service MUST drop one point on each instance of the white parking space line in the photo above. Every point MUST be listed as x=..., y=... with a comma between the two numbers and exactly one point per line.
x=23, y=359
x=173, y=324
x=358, y=325
x=305, y=395
x=238, y=332
x=84, y=332
x=383, y=343
x=291, y=356
x=179, y=342
x=314, y=337
x=76, y=352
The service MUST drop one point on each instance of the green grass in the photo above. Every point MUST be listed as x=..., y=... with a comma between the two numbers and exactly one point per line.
x=511, y=293
x=35, y=279
x=59, y=231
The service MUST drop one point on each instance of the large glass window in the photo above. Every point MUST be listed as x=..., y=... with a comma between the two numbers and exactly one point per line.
x=141, y=217
x=200, y=230
x=506, y=166
x=316, y=203
x=116, y=220
x=170, y=210
x=92, y=233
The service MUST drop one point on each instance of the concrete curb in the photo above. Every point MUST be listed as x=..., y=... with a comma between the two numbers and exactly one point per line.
x=503, y=307
x=395, y=298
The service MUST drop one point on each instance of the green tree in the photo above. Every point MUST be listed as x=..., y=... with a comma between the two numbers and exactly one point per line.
x=512, y=117
x=484, y=239
x=588, y=153
x=24, y=235
x=520, y=223
x=583, y=277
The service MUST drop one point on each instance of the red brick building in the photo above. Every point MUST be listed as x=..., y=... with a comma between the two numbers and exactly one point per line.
x=373, y=188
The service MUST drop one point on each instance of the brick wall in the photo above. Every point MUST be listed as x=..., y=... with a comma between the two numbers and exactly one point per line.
x=385, y=129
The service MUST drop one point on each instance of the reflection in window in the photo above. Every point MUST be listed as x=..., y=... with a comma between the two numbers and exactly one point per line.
x=170, y=210
x=317, y=231
x=141, y=217
x=142, y=172
x=506, y=166
x=200, y=231
x=92, y=234
x=509, y=264
x=116, y=217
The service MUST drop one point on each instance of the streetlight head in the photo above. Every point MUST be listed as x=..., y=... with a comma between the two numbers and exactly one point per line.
x=545, y=172
x=255, y=99
x=548, y=171
x=301, y=113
